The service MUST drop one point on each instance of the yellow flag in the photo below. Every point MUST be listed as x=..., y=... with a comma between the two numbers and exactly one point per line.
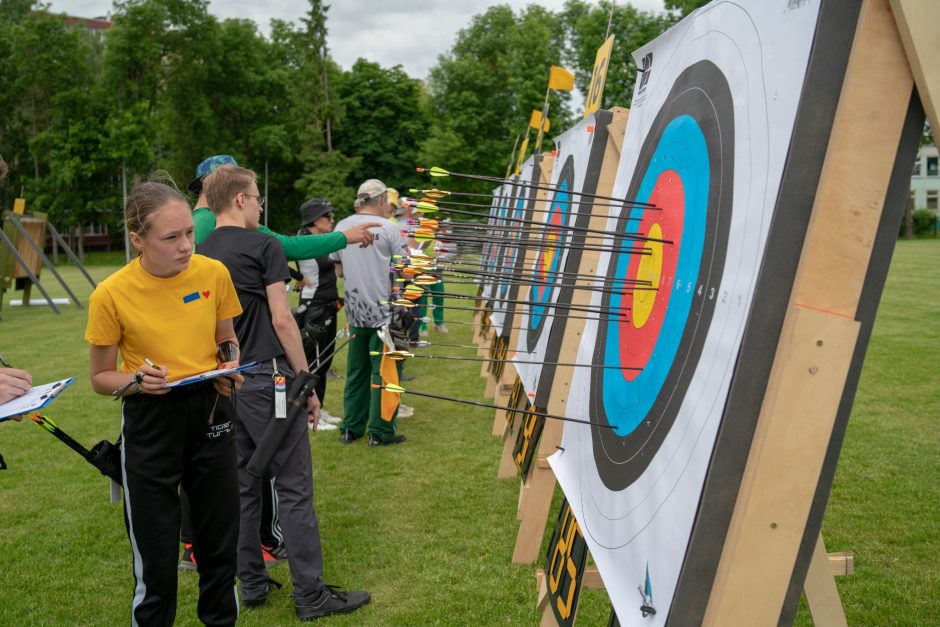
x=536, y=118
x=19, y=206
x=522, y=149
x=599, y=77
x=560, y=79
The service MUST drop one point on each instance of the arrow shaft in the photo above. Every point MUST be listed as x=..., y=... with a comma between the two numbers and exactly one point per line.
x=504, y=407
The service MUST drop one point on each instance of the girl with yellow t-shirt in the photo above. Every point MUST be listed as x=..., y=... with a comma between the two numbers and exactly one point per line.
x=169, y=313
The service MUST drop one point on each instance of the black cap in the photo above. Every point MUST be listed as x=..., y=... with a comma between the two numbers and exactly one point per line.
x=313, y=209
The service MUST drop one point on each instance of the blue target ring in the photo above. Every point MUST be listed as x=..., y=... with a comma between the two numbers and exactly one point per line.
x=518, y=213
x=559, y=216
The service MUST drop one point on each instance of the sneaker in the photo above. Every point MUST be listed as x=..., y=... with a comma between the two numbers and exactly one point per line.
x=188, y=562
x=332, y=601
x=258, y=601
x=273, y=555
x=441, y=328
x=423, y=333
x=348, y=437
x=323, y=426
x=405, y=411
x=375, y=440
x=329, y=418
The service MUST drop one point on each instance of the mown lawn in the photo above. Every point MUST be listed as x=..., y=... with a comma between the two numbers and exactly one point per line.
x=426, y=526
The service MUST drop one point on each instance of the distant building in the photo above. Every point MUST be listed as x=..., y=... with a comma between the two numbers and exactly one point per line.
x=94, y=25
x=925, y=180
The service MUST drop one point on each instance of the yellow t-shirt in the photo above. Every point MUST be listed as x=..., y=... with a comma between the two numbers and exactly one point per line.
x=171, y=321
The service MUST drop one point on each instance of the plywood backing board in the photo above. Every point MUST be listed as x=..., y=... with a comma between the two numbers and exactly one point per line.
x=918, y=23
x=793, y=432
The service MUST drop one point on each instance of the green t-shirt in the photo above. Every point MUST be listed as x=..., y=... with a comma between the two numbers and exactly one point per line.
x=296, y=247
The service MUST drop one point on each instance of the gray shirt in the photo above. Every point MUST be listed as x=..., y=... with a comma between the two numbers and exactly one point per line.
x=366, y=271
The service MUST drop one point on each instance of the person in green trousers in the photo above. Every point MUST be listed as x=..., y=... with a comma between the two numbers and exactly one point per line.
x=367, y=282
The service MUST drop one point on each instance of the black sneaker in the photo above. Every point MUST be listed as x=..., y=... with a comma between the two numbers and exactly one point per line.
x=332, y=601
x=375, y=440
x=347, y=437
x=258, y=601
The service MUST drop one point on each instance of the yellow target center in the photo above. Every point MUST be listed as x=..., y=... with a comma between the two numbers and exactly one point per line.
x=648, y=275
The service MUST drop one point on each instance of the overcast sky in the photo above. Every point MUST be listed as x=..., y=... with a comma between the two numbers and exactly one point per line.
x=389, y=32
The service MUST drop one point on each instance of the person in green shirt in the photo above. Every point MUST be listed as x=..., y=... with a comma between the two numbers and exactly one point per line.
x=296, y=247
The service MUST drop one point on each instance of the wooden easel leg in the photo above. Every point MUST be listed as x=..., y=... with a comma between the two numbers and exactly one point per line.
x=533, y=513
x=822, y=596
x=507, y=462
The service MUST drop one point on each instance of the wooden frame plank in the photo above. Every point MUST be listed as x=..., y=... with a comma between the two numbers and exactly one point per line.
x=793, y=431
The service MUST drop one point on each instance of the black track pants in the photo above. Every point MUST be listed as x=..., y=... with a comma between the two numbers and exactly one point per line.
x=181, y=439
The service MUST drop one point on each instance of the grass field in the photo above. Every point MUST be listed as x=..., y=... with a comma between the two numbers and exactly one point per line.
x=426, y=526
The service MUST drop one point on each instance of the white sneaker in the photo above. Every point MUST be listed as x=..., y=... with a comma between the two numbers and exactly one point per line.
x=440, y=328
x=328, y=418
x=405, y=411
x=423, y=333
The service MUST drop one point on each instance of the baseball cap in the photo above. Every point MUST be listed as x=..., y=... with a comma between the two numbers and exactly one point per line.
x=207, y=167
x=313, y=209
x=370, y=189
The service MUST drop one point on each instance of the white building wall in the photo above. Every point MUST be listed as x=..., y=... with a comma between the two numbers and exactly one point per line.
x=925, y=180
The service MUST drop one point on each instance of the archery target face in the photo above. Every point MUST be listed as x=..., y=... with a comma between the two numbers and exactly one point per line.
x=706, y=142
x=503, y=257
x=490, y=249
x=550, y=254
x=553, y=252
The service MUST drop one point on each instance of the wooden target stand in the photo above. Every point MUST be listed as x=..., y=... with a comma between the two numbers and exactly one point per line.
x=772, y=546
x=538, y=479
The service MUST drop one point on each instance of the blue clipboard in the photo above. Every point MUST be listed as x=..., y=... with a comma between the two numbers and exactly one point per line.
x=211, y=374
x=39, y=397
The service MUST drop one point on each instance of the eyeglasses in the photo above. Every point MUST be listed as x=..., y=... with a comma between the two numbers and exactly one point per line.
x=261, y=199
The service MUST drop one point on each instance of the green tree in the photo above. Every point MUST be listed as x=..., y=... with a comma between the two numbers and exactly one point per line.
x=314, y=111
x=53, y=124
x=484, y=89
x=680, y=8
x=384, y=124
x=632, y=28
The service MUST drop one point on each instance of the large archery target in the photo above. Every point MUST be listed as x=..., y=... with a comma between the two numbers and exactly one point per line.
x=550, y=255
x=490, y=248
x=707, y=140
x=686, y=168
x=504, y=255
x=557, y=257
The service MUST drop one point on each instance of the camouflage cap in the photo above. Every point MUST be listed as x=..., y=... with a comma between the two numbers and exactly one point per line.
x=207, y=167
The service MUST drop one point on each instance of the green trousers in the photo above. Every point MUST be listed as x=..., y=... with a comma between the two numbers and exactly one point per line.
x=438, y=310
x=362, y=405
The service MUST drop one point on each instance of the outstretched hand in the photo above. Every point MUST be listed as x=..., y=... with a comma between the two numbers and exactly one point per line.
x=360, y=234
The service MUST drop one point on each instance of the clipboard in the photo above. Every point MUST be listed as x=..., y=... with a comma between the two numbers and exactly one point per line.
x=39, y=397
x=211, y=374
